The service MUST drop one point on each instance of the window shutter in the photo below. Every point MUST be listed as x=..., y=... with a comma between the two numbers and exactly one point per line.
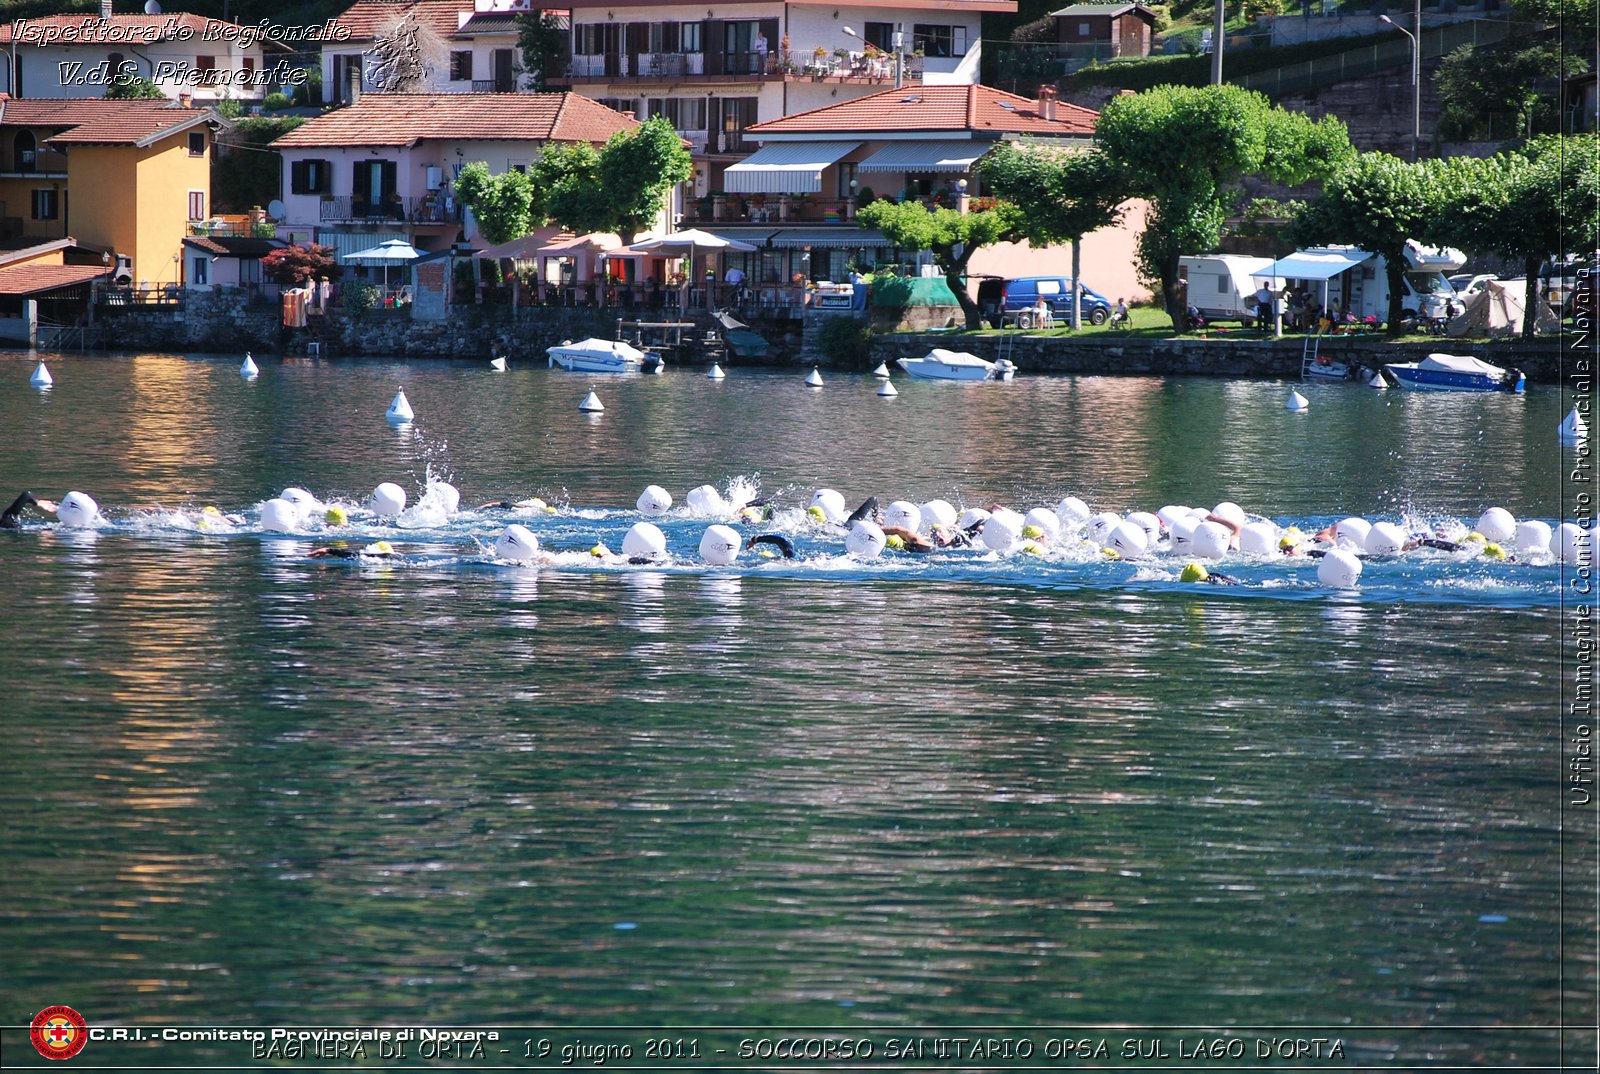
x=298, y=182
x=389, y=175
x=713, y=44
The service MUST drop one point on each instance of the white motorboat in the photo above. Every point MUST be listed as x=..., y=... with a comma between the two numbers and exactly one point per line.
x=1455, y=373
x=940, y=364
x=598, y=356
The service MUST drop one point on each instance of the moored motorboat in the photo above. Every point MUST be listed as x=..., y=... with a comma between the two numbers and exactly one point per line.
x=940, y=364
x=598, y=356
x=1454, y=373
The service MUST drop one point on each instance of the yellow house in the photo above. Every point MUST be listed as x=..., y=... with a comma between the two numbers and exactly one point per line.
x=124, y=177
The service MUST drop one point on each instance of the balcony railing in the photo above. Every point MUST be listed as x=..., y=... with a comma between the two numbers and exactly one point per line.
x=225, y=227
x=348, y=209
x=797, y=208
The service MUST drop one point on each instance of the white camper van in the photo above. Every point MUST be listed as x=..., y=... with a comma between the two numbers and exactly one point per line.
x=1351, y=277
x=1220, y=285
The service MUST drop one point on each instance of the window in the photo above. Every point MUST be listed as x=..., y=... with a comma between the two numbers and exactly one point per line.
x=207, y=67
x=1083, y=29
x=310, y=177
x=197, y=205
x=249, y=64
x=847, y=173
x=202, y=265
x=1049, y=287
x=26, y=156
x=933, y=41
x=197, y=143
x=588, y=39
x=46, y=204
x=461, y=66
x=880, y=35
x=689, y=37
x=692, y=114
x=520, y=167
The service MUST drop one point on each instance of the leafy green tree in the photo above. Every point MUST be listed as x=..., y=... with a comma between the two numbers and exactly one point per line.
x=501, y=204
x=1577, y=18
x=1476, y=83
x=1376, y=202
x=134, y=88
x=623, y=187
x=1062, y=195
x=543, y=44
x=246, y=170
x=1183, y=149
x=952, y=237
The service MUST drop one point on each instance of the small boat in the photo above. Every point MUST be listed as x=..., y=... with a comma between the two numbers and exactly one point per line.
x=1454, y=373
x=940, y=364
x=599, y=356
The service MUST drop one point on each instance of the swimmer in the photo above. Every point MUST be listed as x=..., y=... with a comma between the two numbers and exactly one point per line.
x=1194, y=572
x=784, y=546
x=12, y=519
x=867, y=512
x=533, y=504
x=340, y=550
x=908, y=541
x=950, y=536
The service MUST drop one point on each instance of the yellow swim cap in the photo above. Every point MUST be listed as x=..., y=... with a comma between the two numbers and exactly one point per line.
x=815, y=514
x=894, y=540
x=1285, y=543
x=1494, y=551
x=1474, y=537
x=1032, y=531
x=599, y=550
x=336, y=516
x=209, y=510
x=547, y=509
x=1110, y=553
x=1194, y=573
x=1032, y=548
x=379, y=548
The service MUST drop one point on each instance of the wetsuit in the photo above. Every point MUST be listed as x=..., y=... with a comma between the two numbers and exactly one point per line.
x=782, y=543
x=12, y=519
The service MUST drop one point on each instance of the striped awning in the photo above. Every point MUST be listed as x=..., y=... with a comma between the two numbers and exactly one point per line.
x=784, y=168
x=924, y=157
x=835, y=238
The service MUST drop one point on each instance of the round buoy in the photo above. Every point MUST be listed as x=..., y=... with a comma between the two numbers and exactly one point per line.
x=815, y=379
x=1258, y=539
x=1127, y=539
x=830, y=503
x=1385, y=539
x=444, y=494
x=280, y=515
x=1149, y=523
x=971, y=517
x=1180, y=531
x=1339, y=569
x=517, y=544
x=706, y=500
x=1073, y=511
x=1101, y=525
x=1497, y=524
x=388, y=500
x=1001, y=530
x=1296, y=402
x=1210, y=540
x=1171, y=513
x=719, y=545
x=1571, y=543
x=41, y=377
x=882, y=372
x=938, y=513
x=887, y=390
x=1046, y=519
x=248, y=368
x=591, y=404
x=305, y=503
x=77, y=510
x=866, y=540
x=1231, y=512
x=1352, y=533
x=715, y=372
x=654, y=500
x=1571, y=431
x=1533, y=536
x=399, y=409
x=644, y=541
x=905, y=514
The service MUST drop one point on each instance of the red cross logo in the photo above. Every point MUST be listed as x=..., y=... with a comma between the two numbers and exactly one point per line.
x=58, y=1032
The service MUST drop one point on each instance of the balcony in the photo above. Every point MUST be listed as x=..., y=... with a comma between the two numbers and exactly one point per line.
x=349, y=209
x=233, y=227
x=37, y=164
x=818, y=64
x=808, y=209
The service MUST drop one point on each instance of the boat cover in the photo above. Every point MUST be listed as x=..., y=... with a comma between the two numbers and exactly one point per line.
x=599, y=346
x=944, y=357
x=1453, y=363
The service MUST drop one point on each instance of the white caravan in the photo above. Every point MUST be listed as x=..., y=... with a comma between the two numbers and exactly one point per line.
x=1351, y=277
x=1221, y=287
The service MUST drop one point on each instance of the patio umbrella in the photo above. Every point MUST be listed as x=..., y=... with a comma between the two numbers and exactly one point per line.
x=686, y=243
x=393, y=252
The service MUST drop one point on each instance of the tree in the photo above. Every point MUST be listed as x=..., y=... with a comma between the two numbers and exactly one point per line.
x=246, y=171
x=544, y=47
x=1184, y=148
x=501, y=204
x=622, y=188
x=296, y=266
x=952, y=237
x=1376, y=202
x=134, y=88
x=1475, y=84
x=1062, y=195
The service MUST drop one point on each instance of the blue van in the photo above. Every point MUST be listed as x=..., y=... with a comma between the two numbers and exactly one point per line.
x=1019, y=296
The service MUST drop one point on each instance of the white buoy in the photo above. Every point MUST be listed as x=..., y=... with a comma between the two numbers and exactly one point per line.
x=1352, y=533
x=887, y=390
x=715, y=372
x=1046, y=519
x=971, y=517
x=305, y=503
x=904, y=514
x=591, y=404
x=1002, y=530
x=1179, y=532
x=1385, y=539
x=719, y=545
x=1149, y=523
x=1296, y=402
x=248, y=368
x=938, y=513
x=831, y=503
x=399, y=409
x=1338, y=569
x=706, y=500
x=497, y=364
x=866, y=540
x=882, y=372
x=1210, y=540
x=1231, y=512
x=815, y=379
x=1128, y=540
x=1073, y=511
x=279, y=515
x=1571, y=432
x=388, y=500
x=77, y=510
x=443, y=493
x=1533, y=536
x=517, y=544
x=1258, y=539
x=644, y=541
x=654, y=500
x=1378, y=382
x=1497, y=525
x=41, y=377
x=1571, y=542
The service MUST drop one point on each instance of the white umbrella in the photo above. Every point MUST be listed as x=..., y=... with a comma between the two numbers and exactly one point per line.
x=392, y=252
x=684, y=243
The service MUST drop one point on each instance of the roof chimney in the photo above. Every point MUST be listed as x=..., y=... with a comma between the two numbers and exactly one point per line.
x=1047, y=103
x=185, y=100
x=105, y=9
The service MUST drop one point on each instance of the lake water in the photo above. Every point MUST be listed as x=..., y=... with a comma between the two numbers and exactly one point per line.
x=1059, y=797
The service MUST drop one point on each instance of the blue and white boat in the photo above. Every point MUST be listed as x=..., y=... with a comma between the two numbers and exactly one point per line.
x=602, y=356
x=1454, y=373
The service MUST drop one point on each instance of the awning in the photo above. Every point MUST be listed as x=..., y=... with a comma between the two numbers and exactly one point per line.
x=784, y=168
x=1307, y=266
x=838, y=238
x=924, y=157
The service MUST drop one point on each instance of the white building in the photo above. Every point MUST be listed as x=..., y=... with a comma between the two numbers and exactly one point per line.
x=438, y=46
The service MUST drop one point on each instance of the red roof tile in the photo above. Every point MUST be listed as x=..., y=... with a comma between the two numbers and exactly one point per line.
x=981, y=109
x=133, y=30
x=406, y=118
x=31, y=279
x=101, y=120
x=366, y=19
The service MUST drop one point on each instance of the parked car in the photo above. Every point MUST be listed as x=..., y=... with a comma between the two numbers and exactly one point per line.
x=1467, y=284
x=1018, y=297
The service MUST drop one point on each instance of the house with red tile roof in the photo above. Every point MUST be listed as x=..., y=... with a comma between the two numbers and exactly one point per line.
x=385, y=167
x=44, y=282
x=425, y=46
x=80, y=55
